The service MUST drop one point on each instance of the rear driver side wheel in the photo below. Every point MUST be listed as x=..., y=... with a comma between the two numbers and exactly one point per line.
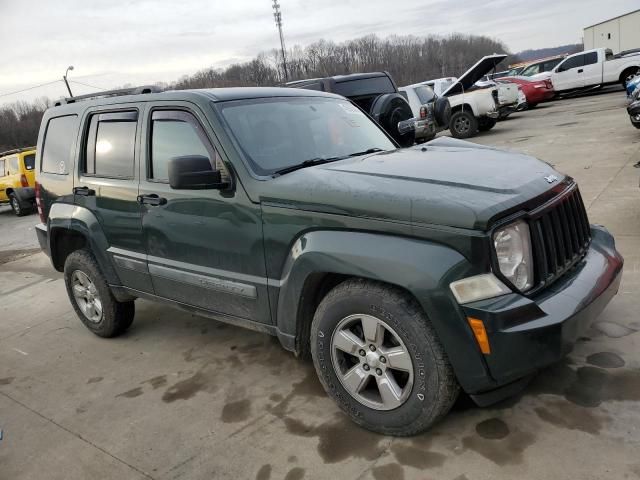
x=16, y=206
x=379, y=358
x=92, y=299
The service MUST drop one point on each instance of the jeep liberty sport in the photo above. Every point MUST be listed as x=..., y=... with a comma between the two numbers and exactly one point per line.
x=407, y=274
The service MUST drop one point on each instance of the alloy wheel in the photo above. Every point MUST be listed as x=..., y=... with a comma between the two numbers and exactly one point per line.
x=462, y=125
x=372, y=362
x=15, y=204
x=86, y=296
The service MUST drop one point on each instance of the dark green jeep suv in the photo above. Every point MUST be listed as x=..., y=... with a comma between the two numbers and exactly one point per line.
x=407, y=274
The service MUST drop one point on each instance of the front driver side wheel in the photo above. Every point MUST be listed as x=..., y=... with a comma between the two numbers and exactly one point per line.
x=92, y=299
x=379, y=358
x=463, y=124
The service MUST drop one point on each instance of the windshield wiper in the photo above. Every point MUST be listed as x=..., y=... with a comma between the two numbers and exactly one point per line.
x=307, y=163
x=366, y=152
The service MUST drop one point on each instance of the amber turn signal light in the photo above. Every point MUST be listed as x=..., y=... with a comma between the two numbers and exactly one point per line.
x=481, y=334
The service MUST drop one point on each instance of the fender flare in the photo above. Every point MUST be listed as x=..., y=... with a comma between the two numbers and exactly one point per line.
x=421, y=267
x=25, y=195
x=64, y=216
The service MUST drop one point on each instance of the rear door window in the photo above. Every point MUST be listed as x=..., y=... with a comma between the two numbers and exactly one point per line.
x=58, y=141
x=573, y=62
x=111, y=145
x=590, y=58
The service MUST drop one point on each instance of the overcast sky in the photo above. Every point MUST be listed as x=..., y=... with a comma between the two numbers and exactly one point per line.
x=114, y=42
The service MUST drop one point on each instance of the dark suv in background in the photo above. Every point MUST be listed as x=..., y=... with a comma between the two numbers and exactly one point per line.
x=377, y=94
x=407, y=274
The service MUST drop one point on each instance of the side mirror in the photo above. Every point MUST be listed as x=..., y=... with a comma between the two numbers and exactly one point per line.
x=193, y=172
x=406, y=126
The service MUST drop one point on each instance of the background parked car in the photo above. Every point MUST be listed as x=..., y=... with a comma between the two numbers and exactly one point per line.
x=634, y=108
x=17, y=179
x=535, y=91
x=472, y=109
x=429, y=110
x=377, y=94
x=540, y=69
x=632, y=86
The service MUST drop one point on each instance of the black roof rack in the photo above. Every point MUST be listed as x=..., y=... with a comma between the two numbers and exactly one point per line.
x=110, y=93
x=16, y=150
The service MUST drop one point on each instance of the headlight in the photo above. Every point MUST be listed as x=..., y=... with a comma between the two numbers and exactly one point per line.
x=513, y=249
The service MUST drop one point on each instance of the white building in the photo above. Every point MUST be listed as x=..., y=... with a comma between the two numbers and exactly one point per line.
x=619, y=33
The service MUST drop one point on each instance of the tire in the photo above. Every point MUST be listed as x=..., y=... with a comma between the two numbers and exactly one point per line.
x=115, y=317
x=390, y=109
x=463, y=124
x=531, y=105
x=427, y=392
x=443, y=112
x=17, y=208
x=485, y=124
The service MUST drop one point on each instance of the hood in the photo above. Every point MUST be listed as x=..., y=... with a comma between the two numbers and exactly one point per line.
x=475, y=73
x=448, y=182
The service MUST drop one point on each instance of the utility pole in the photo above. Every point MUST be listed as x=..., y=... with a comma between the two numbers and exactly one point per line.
x=278, y=17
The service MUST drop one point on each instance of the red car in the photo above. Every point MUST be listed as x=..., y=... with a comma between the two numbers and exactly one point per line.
x=535, y=91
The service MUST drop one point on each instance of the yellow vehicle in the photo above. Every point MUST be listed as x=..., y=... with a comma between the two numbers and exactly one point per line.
x=17, y=179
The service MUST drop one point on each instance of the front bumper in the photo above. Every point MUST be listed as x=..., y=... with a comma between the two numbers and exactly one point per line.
x=505, y=110
x=527, y=334
x=492, y=114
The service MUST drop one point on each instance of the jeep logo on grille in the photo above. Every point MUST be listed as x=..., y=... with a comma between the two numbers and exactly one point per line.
x=551, y=178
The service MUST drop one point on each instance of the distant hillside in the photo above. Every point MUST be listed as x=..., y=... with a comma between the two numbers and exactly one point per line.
x=527, y=55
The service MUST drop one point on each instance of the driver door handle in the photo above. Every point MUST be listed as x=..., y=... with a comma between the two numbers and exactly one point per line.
x=84, y=191
x=580, y=71
x=151, y=199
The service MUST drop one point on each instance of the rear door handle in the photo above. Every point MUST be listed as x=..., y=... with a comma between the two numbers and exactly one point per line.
x=151, y=199
x=580, y=71
x=84, y=191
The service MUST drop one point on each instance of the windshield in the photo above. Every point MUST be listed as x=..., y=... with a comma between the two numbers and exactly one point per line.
x=531, y=70
x=275, y=133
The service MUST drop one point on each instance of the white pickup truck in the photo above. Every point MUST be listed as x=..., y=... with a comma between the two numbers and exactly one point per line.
x=473, y=108
x=594, y=68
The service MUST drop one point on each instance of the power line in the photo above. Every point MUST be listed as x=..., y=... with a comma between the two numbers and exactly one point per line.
x=86, y=85
x=30, y=88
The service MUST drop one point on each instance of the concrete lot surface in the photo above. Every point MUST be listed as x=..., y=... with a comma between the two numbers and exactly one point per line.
x=180, y=396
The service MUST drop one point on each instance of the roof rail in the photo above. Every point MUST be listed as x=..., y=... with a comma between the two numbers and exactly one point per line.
x=110, y=93
x=16, y=150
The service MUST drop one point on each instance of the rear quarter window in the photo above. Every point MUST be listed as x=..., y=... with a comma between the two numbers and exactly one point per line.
x=57, y=144
x=29, y=161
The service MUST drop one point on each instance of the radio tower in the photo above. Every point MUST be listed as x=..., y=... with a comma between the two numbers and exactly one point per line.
x=278, y=17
